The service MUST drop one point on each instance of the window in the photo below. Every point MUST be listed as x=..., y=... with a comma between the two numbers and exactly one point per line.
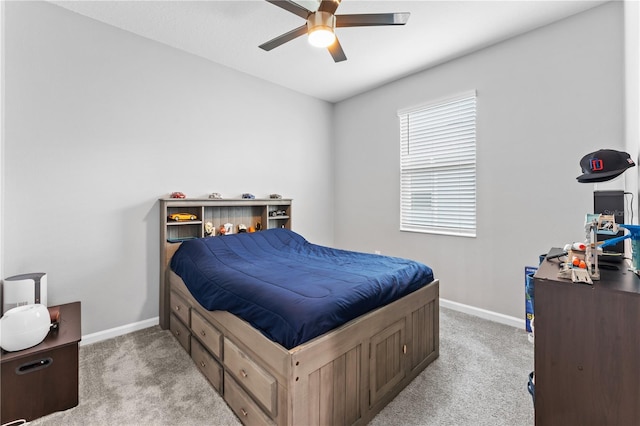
x=438, y=167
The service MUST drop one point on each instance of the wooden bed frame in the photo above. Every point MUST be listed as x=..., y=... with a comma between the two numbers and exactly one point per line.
x=344, y=377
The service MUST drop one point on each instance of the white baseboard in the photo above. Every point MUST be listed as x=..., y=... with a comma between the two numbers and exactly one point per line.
x=467, y=309
x=483, y=313
x=118, y=331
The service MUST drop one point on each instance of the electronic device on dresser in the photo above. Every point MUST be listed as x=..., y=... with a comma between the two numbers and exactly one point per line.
x=24, y=289
x=611, y=202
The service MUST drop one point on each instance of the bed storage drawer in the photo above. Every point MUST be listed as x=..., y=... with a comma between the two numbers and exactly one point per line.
x=254, y=378
x=207, y=364
x=180, y=332
x=247, y=411
x=179, y=307
x=210, y=337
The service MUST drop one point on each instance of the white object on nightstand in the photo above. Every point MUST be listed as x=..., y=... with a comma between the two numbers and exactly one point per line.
x=24, y=326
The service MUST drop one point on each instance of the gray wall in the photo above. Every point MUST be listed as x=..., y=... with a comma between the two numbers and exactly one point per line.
x=2, y=127
x=545, y=99
x=632, y=91
x=100, y=123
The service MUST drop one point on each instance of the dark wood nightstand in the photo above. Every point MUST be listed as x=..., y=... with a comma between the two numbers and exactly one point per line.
x=43, y=379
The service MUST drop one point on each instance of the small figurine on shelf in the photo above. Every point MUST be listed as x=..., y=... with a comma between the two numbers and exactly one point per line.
x=215, y=195
x=222, y=230
x=242, y=228
x=228, y=228
x=248, y=196
x=209, y=230
x=178, y=195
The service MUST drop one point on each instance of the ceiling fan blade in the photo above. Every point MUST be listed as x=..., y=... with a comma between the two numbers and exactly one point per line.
x=282, y=39
x=336, y=52
x=372, y=19
x=329, y=6
x=292, y=7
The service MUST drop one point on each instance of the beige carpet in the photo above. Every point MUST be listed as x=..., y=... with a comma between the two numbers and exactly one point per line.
x=142, y=378
x=146, y=378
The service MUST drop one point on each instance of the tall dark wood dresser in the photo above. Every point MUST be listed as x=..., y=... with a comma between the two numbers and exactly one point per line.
x=587, y=348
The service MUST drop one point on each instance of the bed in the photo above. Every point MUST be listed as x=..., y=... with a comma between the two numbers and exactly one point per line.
x=281, y=345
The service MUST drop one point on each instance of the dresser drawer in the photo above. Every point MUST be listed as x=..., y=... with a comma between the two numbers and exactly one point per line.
x=247, y=411
x=207, y=364
x=254, y=378
x=180, y=331
x=179, y=307
x=207, y=333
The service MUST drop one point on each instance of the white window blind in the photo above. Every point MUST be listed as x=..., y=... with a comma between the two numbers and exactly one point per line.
x=438, y=167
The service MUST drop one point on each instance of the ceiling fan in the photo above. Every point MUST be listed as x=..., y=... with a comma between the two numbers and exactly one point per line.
x=321, y=25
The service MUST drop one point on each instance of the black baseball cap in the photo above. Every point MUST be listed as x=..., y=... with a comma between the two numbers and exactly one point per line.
x=603, y=165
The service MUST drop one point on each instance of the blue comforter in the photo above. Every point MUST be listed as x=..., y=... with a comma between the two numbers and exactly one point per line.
x=289, y=289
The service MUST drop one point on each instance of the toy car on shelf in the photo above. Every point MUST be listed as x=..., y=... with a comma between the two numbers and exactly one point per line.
x=182, y=216
x=178, y=195
x=278, y=213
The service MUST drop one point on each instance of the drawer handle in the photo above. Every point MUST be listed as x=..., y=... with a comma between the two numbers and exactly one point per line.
x=202, y=364
x=244, y=412
x=34, y=366
x=177, y=332
x=244, y=373
x=203, y=333
x=177, y=307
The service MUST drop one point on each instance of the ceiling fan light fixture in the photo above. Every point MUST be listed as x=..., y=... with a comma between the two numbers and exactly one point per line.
x=321, y=23
x=322, y=37
x=320, y=27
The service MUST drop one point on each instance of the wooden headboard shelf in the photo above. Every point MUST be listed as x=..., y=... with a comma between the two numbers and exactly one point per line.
x=257, y=213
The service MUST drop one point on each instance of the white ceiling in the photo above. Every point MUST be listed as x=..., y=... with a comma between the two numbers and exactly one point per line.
x=229, y=33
